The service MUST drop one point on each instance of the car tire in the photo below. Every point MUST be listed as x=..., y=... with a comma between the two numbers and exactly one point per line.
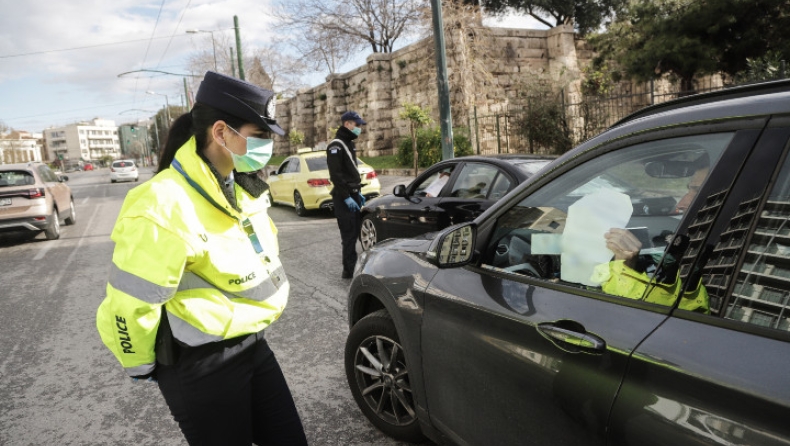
x=136, y=179
x=112, y=181
x=72, y=218
x=52, y=232
x=299, y=204
x=368, y=235
x=380, y=383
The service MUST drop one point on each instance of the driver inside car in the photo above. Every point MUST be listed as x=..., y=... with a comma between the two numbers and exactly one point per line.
x=624, y=277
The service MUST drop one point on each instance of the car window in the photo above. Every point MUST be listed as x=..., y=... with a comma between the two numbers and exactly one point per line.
x=432, y=185
x=316, y=163
x=46, y=174
x=293, y=166
x=16, y=178
x=760, y=294
x=284, y=166
x=605, y=224
x=474, y=181
x=123, y=164
x=501, y=187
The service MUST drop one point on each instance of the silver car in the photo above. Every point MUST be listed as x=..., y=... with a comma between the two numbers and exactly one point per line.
x=33, y=198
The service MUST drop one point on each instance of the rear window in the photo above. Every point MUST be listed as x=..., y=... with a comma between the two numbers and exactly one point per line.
x=123, y=164
x=316, y=163
x=16, y=178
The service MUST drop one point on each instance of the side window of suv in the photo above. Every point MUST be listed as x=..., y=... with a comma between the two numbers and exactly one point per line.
x=605, y=224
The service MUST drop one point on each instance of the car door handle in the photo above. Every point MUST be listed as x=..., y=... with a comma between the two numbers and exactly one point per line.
x=426, y=209
x=571, y=336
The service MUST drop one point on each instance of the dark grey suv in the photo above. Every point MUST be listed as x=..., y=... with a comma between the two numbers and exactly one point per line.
x=635, y=291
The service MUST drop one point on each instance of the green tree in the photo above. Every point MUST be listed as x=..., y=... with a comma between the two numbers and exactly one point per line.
x=584, y=15
x=417, y=117
x=686, y=38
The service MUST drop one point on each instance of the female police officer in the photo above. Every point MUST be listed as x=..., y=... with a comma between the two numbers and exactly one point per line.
x=196, y=277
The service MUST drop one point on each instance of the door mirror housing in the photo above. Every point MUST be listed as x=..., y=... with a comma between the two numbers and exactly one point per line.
x=455, y=246
x=399, y=190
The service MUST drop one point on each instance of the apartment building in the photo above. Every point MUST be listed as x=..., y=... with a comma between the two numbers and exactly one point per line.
x=83, y=141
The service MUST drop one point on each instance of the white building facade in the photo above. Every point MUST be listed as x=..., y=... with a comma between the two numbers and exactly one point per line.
x=20, y=147
x=83, y=141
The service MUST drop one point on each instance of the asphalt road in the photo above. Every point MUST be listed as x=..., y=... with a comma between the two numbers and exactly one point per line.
x=60, y=385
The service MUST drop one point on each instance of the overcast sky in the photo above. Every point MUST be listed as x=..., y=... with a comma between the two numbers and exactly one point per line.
x=60, y=60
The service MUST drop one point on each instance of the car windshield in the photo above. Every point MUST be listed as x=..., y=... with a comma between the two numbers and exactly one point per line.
x=16, y=178
x=316, y=163
x=531, y=167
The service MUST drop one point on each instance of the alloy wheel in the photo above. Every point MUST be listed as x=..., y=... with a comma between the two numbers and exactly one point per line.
x=383, y=379
x=367, y=234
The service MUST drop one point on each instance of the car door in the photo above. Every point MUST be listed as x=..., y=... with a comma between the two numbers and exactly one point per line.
x=722, y=377
x=277, y=182
x=475, y=189
x=59, y=191
x=419, y=212
x=529, y=345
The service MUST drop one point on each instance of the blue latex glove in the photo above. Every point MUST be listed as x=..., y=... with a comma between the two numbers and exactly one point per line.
x=361, y=200
x=352, y=205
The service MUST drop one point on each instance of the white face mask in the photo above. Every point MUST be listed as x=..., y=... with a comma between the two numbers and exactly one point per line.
x=259, y=152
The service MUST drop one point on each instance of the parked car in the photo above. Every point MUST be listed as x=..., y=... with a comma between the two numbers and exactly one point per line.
x=123, y=170
x=449, y=192
x=302, y=181
x=577, y=311
x=33, y=198
x=87, y=166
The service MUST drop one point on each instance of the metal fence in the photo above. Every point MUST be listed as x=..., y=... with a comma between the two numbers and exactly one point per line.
x=500, y=132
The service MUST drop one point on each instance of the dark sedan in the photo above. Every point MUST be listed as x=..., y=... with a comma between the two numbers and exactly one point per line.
x=634, y=292
x=449, y=192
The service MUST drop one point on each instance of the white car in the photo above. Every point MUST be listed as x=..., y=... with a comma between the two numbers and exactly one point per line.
x=123, y=170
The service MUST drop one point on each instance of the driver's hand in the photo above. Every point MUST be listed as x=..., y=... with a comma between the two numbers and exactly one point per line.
x=624, y=245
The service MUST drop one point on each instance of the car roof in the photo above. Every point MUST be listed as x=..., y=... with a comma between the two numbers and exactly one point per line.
x=123, y=161
x=21, y=166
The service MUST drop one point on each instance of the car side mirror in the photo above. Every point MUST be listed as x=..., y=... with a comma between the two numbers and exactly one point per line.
x=399, y=190
x=63, y=178
x=456, y=246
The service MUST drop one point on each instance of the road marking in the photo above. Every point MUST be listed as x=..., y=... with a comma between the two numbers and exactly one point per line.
x=85, y=200
x=88, y=227
x=43, y=251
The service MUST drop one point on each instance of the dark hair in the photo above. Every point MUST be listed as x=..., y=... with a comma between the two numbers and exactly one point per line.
x=195, y=123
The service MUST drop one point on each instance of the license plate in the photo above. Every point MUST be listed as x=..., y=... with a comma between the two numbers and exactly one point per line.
x=5, y=201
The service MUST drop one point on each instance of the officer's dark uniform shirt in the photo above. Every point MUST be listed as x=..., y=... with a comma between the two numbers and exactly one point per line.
x=343, y=168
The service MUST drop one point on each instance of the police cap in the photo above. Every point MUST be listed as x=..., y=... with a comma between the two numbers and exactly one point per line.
x=352, y=116
x=240, y=99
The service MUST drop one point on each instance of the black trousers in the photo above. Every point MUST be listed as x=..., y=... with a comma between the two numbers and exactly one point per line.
x=231, y=393
x=350, y=224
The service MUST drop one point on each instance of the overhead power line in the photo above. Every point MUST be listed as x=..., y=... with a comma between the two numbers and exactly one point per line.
x=10, y=56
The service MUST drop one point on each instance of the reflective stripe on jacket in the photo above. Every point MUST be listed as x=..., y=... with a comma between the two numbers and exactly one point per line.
x=173, y=247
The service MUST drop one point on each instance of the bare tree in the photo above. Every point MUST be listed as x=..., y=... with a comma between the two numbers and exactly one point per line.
x=323, y=48
x=378, y=23
x=283, y=72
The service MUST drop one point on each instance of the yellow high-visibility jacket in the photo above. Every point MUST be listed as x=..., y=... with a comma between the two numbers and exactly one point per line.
x=620, y=280
x=176, y=248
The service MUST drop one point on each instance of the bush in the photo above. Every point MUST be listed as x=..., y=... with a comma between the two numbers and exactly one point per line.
x=429, y=146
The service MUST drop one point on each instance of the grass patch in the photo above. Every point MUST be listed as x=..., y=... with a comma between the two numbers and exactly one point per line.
x=384, y=162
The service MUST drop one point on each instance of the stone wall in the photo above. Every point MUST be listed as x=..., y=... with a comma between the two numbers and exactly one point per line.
x=484, y=67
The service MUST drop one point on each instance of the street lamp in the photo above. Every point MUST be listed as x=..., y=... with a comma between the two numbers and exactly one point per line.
x=213, y=45
x=167, y=104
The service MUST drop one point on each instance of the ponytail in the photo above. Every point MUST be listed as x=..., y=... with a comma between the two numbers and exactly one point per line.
x=196, y=123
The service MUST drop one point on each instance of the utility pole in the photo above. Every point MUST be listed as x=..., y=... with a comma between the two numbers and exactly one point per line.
x=186, y=95
x=445, y=116
x=238, y=46
x=232, y=65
